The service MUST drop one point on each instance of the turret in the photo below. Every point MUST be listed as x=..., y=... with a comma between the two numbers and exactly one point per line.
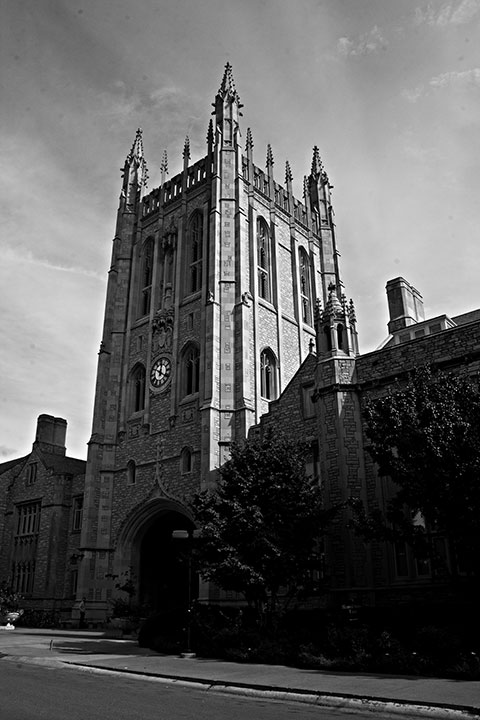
x=336, y=326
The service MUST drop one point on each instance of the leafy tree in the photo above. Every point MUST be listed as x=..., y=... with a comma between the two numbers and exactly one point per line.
x=261, y=528
x=426, y=438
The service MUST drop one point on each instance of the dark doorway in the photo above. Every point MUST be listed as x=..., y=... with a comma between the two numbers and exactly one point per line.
x=164, y=565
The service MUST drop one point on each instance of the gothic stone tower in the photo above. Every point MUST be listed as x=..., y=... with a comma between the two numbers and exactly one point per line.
x=209, y=313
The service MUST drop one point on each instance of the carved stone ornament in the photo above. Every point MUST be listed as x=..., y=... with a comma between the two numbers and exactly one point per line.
x=162, y=326
x=169, y=239
x=134, y=430
x=188, y=413
x=160, y=488
x=247, y=298
x=345, y=372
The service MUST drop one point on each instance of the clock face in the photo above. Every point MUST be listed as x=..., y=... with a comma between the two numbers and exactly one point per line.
x=160, y=372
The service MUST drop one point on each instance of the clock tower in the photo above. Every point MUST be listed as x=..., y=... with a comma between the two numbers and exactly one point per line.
x=209, y=313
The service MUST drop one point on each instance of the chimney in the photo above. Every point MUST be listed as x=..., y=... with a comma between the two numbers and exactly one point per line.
x=51, y=434
x=405, y=305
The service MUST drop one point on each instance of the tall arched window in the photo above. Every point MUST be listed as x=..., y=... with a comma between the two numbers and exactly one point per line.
x=305, y=286
x=131, y=472
x=194, y=253
x=186, y=461
x=146, y=277
x=263, y=260
x=268, y=375
x=137, y=389
x=190, y=369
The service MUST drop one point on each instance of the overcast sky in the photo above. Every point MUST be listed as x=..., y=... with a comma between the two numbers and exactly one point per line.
x=388, y=89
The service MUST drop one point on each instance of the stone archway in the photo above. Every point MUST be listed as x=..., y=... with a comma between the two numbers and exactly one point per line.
x=159, y=562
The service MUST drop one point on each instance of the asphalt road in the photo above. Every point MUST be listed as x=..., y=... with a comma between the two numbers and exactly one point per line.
x=33, y=692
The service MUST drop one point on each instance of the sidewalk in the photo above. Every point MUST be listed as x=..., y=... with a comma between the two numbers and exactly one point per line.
x=410, y=695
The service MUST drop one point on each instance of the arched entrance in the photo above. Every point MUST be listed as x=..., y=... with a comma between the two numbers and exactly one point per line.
x=160, y=563
x=165, y=567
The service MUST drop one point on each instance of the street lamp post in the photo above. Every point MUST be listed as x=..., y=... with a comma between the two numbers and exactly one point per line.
x=188, y=536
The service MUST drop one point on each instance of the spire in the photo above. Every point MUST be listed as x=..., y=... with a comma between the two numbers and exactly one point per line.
x=269, y=162
x=186, y=148
x=351, y=312
x=249, y=143
x=227, y=87
x=136, y=157
x=210, y=132
x=288, y=173
x=305, y=190
x=134, y=173
x=137, y=147
x=317, y=164
x=164, y=167
x=333, y=307
x=227, y=109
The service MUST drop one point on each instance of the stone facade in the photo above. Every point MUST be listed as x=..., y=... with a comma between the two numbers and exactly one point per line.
x=41, y=497
x=224, y=315
x=339, y=381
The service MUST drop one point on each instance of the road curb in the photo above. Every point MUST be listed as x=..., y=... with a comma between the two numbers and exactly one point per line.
x=322, y=699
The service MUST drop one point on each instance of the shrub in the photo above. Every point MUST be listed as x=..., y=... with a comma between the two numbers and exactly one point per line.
x=322, y=640
x=164, y=632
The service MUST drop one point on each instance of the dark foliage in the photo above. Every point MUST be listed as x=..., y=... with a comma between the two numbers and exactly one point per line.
x=426, y=438
x=379, y=640
x=261, y=529
x=9, y=599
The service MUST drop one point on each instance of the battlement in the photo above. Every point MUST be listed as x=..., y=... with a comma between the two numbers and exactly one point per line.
x=173, y=189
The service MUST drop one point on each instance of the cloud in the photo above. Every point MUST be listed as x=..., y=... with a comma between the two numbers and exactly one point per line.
x=26, y=256
x=450, y=13
x=456, y=80
x=413, y=94
x=5, y=451
x=365, y=44
x=465, y=78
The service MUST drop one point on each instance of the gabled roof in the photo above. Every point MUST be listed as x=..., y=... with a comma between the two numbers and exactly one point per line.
x=12, y=463
x=60, y=464
x=63, y=465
